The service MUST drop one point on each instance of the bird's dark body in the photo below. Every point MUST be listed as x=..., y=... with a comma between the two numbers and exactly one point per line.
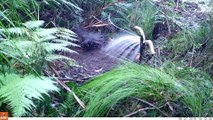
x=89, y=40
x=141, y=47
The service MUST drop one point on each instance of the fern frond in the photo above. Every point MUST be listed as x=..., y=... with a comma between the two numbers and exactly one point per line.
x=15, y=31
x=41, y=32
x=65, y=37
x=19, y=91
x=57, y=47
x=54, y=57
x=63, y=30
x=25, y=42
x=33, y=24
x=65, y=42
x=46, y=38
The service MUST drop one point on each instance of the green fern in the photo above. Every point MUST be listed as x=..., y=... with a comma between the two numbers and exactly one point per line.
x=19, y=91
x=32, y=44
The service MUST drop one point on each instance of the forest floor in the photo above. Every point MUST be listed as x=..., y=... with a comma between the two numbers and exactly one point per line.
x=96, y=62
x=92, y=63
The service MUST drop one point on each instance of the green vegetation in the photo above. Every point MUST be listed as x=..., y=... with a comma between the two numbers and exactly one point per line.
x=32, y=45
x=130, y=81
x=149, y=84
x=21, y=91
x=26, y=51
x=36, y=41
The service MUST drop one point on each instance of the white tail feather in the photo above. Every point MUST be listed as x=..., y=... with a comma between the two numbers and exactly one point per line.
x=151, y=46
x=148, y=42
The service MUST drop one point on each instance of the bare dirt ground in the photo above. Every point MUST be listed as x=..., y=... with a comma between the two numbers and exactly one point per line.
x=92, y=63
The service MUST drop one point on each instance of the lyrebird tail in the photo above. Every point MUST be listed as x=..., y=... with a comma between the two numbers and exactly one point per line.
x=129, y=45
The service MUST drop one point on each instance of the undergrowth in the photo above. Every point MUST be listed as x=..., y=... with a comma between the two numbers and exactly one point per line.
x=32, y=45
x=169, y=91
x=180, y=87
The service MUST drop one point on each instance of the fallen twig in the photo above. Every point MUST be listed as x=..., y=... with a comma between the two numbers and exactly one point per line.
x=143, y=109
x=170, y=107
x=158, y=108
x=66, y=80
x=66, y=87
x=97, y=24
x=140, y=110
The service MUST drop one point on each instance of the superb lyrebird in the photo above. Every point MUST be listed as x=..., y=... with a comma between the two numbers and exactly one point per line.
x=128, y=45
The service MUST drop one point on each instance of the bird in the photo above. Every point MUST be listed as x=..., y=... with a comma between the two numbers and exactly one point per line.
x=129, y=45
x=143, y=41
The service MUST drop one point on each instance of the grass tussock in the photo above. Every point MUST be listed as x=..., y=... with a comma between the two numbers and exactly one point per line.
x=154, y=87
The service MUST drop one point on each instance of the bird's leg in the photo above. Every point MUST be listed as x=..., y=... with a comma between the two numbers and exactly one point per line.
x=141, y=48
